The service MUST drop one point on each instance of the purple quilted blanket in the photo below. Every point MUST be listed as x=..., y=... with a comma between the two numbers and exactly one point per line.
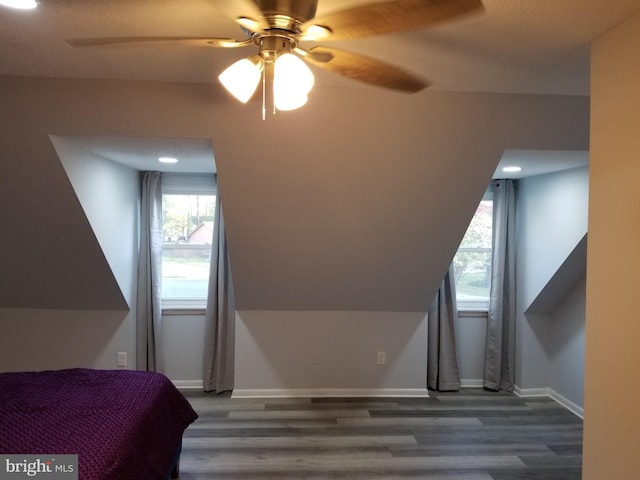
x=122, y=424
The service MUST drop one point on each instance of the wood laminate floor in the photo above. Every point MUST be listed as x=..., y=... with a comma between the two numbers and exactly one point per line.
x=468, y=435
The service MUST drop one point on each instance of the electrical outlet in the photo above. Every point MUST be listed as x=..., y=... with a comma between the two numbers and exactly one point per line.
x=122, y=359
x=382, y=358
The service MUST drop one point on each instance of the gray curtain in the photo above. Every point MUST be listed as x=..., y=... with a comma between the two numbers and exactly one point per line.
x=149, y=354
x=220, y=316
x=499, y=366
x=442, y=363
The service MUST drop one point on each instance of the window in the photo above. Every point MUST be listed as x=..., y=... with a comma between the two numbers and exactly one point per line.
x=472, y=262
x=188, y=209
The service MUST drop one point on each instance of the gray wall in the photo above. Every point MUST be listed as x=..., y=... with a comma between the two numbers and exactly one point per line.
x=40, y=339
x=287, y=352
x=284, y=352
x=44, y=339
x=471, y=331
x=567, y=346
x=183, y=337
x=352, y=223
x=552, y=224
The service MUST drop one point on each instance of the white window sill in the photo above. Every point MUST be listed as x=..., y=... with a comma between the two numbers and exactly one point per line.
x=472, y=313
x=183, y=311
x=184, y=307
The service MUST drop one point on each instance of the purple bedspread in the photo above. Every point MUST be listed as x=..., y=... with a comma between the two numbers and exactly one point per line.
x=122, y=424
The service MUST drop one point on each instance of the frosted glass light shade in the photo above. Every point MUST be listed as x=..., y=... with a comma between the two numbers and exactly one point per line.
x=293, y=81
x=241, y=79
x=23, y=4
x=290, y=101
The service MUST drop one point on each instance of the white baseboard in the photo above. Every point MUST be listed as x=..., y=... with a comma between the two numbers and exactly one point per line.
x=568, y=404
x=549, y=392
x=329, y=392
x=532, y=392
x=188, y=384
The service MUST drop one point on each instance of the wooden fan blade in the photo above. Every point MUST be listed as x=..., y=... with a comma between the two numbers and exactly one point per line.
x=316, y=56
x=386, y=17
x=244, y=12
x=138, y=41
x=366, y=69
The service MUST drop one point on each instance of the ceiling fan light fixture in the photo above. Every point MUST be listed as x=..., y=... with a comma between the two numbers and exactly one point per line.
x=276, y=28
x=242, y=78
x=293, y=80
x=22, y=4
x=290, y=101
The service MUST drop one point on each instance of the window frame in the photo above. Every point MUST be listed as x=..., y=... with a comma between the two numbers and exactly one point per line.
x=187, y=184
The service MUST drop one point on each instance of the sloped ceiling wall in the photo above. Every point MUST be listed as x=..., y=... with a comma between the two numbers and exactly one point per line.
x=361, y=204
x=356, y=202
x=110, y=197
x=49, y=255
x=569, y=274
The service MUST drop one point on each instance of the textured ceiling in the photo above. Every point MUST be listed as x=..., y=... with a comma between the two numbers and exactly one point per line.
x=516, y=46
x=142, y=153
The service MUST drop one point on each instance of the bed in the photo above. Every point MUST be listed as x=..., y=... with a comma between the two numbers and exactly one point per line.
x=122, y=424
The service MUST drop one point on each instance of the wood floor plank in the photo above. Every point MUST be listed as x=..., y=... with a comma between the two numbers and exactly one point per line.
x=340, y=404
x=320, y=463
x=265, y=424
x=298, y=414
x=434, y=408
x=333, y=475
x=573, y=448
x=468, y=435
x=286, y=442
x=408, y=422
x=517, y=449
x=537, y=474
x=242, y=457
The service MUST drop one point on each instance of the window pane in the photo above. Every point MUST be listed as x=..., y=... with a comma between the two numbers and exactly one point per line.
x=472, y=263
x=186, y=250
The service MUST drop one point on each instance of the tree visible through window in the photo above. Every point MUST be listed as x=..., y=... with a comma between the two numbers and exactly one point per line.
x=187, y=227
x=472, y=263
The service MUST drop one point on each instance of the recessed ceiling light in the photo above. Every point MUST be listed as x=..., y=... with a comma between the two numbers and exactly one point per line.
x=168, y=160
x=23, y=4
x=512, y=169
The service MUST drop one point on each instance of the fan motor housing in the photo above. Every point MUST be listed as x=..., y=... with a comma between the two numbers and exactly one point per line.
x=301, y=10
x=273, y=45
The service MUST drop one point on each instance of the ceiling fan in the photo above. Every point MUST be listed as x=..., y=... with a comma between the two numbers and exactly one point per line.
x=277, y=28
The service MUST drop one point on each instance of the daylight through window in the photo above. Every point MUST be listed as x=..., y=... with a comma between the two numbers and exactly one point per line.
x=187, y=227
x=472, y=263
